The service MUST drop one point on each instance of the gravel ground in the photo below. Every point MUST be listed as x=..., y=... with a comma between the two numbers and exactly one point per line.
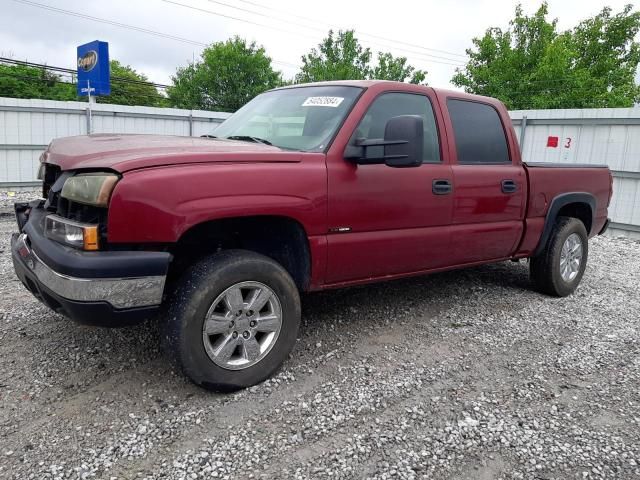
x=9, y=197
x=466, y=375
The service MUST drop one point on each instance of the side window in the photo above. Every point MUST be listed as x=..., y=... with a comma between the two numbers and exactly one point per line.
x=478, y=132
x=390, y=105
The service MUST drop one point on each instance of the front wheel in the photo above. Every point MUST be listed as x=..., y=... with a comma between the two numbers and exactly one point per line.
x=558, y=269
x=233, y=320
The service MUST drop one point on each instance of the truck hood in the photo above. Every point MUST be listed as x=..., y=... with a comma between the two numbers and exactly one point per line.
x=123, y=153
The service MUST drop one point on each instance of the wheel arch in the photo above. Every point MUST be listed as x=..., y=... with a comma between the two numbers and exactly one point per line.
x=282, y=238
x=580, y=205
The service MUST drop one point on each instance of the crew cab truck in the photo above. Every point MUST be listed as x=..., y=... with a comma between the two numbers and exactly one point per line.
x=305, y=188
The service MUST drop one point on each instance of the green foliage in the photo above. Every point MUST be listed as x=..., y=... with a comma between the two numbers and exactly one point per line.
x=396, y=68
x=532, y=65
x=19, y=81
x=228, y=75
x=343, y=58
x=126, y=88
x=340, y=58
x=607, y=56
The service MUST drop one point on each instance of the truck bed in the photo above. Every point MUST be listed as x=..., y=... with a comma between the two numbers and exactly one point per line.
x=549, y=181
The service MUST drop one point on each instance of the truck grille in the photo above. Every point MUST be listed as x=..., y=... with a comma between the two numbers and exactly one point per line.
x=51, y=174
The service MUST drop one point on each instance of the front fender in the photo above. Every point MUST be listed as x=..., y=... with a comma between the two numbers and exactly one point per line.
x=158, y=205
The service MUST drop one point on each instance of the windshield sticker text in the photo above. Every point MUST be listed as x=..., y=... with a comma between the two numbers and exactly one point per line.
x=322, y=101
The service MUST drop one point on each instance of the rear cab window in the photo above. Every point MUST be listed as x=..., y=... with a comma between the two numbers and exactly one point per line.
x=479, y=135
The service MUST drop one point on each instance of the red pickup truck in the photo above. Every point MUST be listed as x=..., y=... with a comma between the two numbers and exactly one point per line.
x=305, y=188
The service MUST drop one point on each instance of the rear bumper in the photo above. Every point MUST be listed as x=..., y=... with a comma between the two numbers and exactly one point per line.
x=95, y=288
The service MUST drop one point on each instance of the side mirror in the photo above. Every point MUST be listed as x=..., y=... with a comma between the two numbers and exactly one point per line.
x=401, y=147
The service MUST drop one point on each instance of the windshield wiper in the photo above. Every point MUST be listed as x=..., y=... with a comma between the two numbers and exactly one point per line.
x=207, y=136
x=250, y=138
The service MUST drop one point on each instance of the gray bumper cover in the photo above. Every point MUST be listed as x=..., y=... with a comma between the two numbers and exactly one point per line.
x=120, y=293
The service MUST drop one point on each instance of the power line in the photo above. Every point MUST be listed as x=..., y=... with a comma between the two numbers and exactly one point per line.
x=218, y=14
x=528, y=84
x=551, y=81
x=127, y=26
x=110, y=22
x=73, y=72
x=160, y=34
x=271, y=17
x=251, y=22
x=67, y=71
x=49, y=80
x=59, y=81
x=542, y=86
x=313, y=20
x=529, y=104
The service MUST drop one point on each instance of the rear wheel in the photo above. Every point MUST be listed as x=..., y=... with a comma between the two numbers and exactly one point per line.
x=233, y=320
x=558, y=269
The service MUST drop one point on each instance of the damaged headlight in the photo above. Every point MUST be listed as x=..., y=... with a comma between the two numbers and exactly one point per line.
x=90, y=188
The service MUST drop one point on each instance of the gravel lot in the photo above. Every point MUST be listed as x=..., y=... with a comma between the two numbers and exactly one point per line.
x=465, y=375
x=8, y=198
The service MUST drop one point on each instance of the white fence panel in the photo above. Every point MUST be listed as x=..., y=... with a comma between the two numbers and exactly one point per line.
x=608, y=136
x=27, y=127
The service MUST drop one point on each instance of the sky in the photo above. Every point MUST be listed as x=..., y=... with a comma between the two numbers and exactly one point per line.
x=433, y=35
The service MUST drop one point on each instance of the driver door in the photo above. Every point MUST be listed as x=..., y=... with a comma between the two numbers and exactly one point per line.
x=389, y=221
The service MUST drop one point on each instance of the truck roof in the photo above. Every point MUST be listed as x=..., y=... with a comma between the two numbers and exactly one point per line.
x=391, y=84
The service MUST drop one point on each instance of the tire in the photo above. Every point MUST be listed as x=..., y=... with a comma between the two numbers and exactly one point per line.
x=546, y=271
x=255, y=276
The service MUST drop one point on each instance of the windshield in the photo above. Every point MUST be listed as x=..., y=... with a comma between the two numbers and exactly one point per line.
x=304, y=118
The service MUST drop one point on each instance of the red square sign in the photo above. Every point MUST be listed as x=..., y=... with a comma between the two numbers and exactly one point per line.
x=552, y=142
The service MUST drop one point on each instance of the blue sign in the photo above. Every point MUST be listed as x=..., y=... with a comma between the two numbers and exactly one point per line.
x=93, y=69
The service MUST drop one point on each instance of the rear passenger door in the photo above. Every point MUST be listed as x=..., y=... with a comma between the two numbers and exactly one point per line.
x=489, y=190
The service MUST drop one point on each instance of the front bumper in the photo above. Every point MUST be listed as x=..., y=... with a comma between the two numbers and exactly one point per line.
x=108, y=288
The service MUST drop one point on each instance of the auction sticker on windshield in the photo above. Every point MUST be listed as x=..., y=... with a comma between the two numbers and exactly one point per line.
x=322, y=101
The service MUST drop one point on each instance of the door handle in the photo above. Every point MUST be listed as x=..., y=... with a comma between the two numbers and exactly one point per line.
x=441, y=187
x=509, y=186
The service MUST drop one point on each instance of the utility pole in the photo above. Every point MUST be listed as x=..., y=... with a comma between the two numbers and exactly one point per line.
x=89, y=109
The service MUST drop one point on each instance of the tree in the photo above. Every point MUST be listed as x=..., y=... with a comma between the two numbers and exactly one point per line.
x=129, y=87
x=343, y=58
x=607, y=57
x=228, y=75
x=532, y=65
x=21, y=81
x=396, y=68
x=340, y=58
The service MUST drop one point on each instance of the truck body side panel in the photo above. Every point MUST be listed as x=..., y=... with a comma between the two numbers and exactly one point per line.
x=549, y=182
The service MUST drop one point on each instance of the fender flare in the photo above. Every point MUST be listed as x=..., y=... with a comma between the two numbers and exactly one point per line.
x=552, y=213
